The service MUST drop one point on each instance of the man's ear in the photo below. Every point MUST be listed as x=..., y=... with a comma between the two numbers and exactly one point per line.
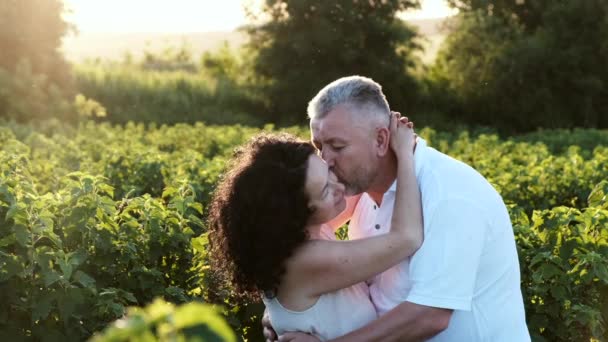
x=383, y=136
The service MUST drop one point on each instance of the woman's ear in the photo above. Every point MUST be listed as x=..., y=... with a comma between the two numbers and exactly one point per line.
x=383, y=136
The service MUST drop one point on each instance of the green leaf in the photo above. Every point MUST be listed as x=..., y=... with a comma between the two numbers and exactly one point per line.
x=17, y=212
x=567, y=248
x=559, y=292
x=84, y=279
x=42, y=307
x=200, y=243
x=598, y=196
x=22, y=235
x=197, y=221
x=7, y=241
x=10, y=266
x=68, y=303
x=50, y=277
x=107, y=189
x=203, y=319
x=66, y=268
x=77, y=258
x=129, y=296
x=88, y=184
x=169, y=191
x=601, y=270
x=54, y=238
x=549, y=271
x=198, y=207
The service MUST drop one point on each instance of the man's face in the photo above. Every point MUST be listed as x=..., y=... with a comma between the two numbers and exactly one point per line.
x=348, y=148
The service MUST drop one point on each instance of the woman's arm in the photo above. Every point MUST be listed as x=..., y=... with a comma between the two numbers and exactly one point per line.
x=325, y=266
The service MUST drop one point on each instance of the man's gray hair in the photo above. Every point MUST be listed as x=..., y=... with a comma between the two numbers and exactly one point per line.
x=362, y=93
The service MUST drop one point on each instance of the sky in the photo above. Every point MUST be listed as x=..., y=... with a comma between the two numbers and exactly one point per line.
x=175, y=16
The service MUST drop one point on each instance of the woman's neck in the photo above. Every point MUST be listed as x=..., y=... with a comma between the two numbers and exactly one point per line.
x=314, y=231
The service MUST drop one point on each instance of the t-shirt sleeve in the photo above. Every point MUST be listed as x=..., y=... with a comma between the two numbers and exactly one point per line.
x=444, y=270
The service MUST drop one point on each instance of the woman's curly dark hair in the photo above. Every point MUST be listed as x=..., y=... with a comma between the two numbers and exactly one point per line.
x=258, y=213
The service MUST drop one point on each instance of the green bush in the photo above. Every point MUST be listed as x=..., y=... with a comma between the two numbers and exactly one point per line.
x=564, y=261
x=170, y=89
x=523, y=65
x=560, y=140
x=73, y=259
x=27, y=96
x=95, y=218
x=161, y=321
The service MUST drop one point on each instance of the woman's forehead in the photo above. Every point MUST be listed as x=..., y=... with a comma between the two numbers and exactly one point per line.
x=317, y=173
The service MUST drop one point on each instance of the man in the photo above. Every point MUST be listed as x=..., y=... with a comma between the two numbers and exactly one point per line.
x=463, y=284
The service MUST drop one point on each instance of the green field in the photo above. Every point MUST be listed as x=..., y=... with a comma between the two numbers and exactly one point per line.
x=97, y=218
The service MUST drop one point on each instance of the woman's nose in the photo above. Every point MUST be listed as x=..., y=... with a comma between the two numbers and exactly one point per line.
x=340, y=186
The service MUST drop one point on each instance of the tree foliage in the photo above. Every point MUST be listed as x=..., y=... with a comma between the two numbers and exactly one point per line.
x=309, y=43
x=32, y=30
x=35, y=79
x=520, y=65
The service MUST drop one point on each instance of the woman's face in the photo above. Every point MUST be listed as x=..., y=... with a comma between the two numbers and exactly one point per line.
x=326, y=194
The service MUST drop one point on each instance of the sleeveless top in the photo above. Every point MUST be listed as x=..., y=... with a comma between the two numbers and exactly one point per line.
x=333, y=315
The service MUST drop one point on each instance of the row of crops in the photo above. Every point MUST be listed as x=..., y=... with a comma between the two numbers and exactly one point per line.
x=97, y=218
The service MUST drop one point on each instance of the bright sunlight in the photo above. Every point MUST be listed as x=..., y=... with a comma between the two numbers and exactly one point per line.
x=186, y=15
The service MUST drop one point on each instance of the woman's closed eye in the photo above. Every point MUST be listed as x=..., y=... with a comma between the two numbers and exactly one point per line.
x=325, y=191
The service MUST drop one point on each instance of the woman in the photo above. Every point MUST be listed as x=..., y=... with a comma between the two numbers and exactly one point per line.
x=270, y=232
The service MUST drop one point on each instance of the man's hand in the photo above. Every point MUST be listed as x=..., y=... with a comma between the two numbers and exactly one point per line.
x=297, y=337
x=269, y=334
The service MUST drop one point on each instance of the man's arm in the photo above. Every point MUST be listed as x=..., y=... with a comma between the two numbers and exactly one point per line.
x=405, y=322
x=269, y=334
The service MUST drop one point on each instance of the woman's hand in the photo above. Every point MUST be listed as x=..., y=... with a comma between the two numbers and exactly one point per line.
x=402, y=138
x=297, y=337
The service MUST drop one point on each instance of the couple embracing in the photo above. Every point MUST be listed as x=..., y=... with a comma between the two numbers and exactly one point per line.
x=431, y=253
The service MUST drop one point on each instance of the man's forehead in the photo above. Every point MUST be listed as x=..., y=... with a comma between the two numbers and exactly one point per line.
x=322, y=130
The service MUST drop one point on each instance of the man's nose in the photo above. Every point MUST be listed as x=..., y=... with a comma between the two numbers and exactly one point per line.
x=328, y=157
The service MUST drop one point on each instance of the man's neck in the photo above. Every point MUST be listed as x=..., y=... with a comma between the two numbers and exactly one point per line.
x=387, y=175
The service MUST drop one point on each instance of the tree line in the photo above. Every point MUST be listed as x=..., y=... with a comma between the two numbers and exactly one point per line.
x=514, y=66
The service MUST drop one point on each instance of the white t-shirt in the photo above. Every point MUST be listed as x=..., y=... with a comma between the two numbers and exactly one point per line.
x=468, y=261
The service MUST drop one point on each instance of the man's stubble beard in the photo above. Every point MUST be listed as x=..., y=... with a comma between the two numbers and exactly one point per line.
x=360, y=183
